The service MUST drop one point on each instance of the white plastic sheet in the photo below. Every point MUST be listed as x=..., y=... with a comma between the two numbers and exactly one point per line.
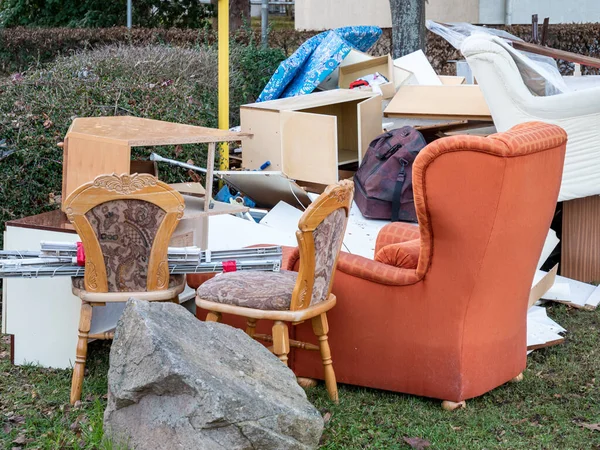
x=540, y=73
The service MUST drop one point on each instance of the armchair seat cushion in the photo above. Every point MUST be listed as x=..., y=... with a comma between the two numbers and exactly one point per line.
x=174, y=281
x=270, y=291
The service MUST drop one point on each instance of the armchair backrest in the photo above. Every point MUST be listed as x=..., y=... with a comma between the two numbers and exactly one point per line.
x=125, y=223
x=320, y=236
x=484, y=207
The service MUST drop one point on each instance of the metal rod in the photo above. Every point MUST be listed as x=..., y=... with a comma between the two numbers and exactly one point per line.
x=265, y=22
x=129, y=13
x=156, y=157
x=223, y=81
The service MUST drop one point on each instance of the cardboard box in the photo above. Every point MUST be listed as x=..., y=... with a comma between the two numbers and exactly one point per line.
x=310, y=136
x=383, y=64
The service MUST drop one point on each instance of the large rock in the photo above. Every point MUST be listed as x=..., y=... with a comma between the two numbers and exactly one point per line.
x=178, y=383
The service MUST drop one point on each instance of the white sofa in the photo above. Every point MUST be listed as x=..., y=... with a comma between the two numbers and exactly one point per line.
x=511, y=102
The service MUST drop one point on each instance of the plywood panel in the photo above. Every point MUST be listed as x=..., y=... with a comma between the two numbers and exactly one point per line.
x=439, y=102
x=313, y=100
x=266, y=144
x=136, y=131
x=86, y=159
x=580, y=253
x=309, y=143
x=369, y=123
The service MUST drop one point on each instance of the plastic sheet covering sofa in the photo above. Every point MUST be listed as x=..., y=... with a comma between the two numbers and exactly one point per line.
x=315, y=59
x=511, y=103
x=450, y=322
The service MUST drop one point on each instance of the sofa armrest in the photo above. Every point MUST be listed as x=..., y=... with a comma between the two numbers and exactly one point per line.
x=395, y=233
x=367, y=269
x=404, y=255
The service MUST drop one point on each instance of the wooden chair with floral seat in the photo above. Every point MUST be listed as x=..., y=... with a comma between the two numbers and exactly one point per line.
x=125, y=224
x=288, y=296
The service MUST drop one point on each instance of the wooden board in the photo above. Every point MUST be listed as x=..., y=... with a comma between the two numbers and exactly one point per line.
x=309, y=143
x=313, y=100
x=369, y=123
x=266, y=144
x=382, y=64
x=136, y=131
x=83, y=162
x=439, y=102
x=580, y=252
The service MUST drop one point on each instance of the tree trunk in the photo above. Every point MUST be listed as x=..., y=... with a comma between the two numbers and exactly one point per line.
x=408, y=26
x=239, y=13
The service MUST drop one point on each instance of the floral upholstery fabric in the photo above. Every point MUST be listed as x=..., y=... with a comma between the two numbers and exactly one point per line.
x=126, y=230
x=259, y=290
x=328, y=238
x=174, y=280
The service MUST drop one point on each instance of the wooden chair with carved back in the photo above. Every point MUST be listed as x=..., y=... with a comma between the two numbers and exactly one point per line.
x=125, y=223
x=288, y=296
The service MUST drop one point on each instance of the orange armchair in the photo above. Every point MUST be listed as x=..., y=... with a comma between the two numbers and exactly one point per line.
x=450, y=324
x=448, y=320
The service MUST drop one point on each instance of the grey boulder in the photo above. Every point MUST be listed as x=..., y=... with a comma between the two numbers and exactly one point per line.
x=176, y=382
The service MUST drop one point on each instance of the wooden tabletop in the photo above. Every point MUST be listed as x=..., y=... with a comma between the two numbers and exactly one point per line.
x=136, y=131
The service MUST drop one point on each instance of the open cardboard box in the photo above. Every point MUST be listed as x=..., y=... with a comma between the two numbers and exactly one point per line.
x=382, y=64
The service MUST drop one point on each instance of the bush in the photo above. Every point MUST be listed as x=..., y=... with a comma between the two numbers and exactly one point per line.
x=101, y=13
x=153, y=81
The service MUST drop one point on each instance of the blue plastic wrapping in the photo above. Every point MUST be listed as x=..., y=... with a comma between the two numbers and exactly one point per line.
x=314, y=60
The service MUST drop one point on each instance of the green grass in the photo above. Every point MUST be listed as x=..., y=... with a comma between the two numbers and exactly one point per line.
x=561, y=391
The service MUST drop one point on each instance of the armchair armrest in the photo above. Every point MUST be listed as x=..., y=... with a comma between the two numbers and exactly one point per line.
x=374, y=271
x=395, y=233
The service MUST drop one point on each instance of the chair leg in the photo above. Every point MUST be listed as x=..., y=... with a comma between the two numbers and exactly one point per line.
x=281, y=341
x=321, y=328
x=518, y=378
x=453, y=406
x=250, y=327
x=213, y=316
x=85, y=321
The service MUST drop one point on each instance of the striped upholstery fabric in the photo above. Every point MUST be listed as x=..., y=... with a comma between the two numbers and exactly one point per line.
x=396, y=232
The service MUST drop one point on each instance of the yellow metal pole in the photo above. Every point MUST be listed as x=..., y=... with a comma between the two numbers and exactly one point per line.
x=223, y=23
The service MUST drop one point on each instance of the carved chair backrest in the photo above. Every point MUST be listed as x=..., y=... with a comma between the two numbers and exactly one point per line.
x=125, y=223
x=320, y=236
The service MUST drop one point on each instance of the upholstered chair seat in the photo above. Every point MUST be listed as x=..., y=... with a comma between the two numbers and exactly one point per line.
x=251, y=289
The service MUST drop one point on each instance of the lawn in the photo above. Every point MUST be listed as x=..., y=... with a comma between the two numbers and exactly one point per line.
x=555, y=407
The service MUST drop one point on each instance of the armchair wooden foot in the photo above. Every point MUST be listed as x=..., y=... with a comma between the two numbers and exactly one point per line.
x=85, y=321
x=306, y=383
x=453, y=406
x=518, y=378
x=213, y=316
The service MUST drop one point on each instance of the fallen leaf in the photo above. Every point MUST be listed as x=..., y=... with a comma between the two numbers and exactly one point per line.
x=20, y=439
x=326, y=417
x=590, y=426
x=6, y=428
x=557, y=396
x=417, y=443
x=456, y=428
x=16, y=419
x=178, y=150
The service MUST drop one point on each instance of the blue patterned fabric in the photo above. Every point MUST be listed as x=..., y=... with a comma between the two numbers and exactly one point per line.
x=314, y=60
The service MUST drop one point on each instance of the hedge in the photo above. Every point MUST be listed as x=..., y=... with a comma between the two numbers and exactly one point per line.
x=21, y=48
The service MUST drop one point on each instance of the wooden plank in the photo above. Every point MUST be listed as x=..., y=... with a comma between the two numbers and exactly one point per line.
x=136, y=131
x=580, y=253
x=266, y=144
x=439, y=102
x=369, y=124
x=309, y=143
x=557, y=54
